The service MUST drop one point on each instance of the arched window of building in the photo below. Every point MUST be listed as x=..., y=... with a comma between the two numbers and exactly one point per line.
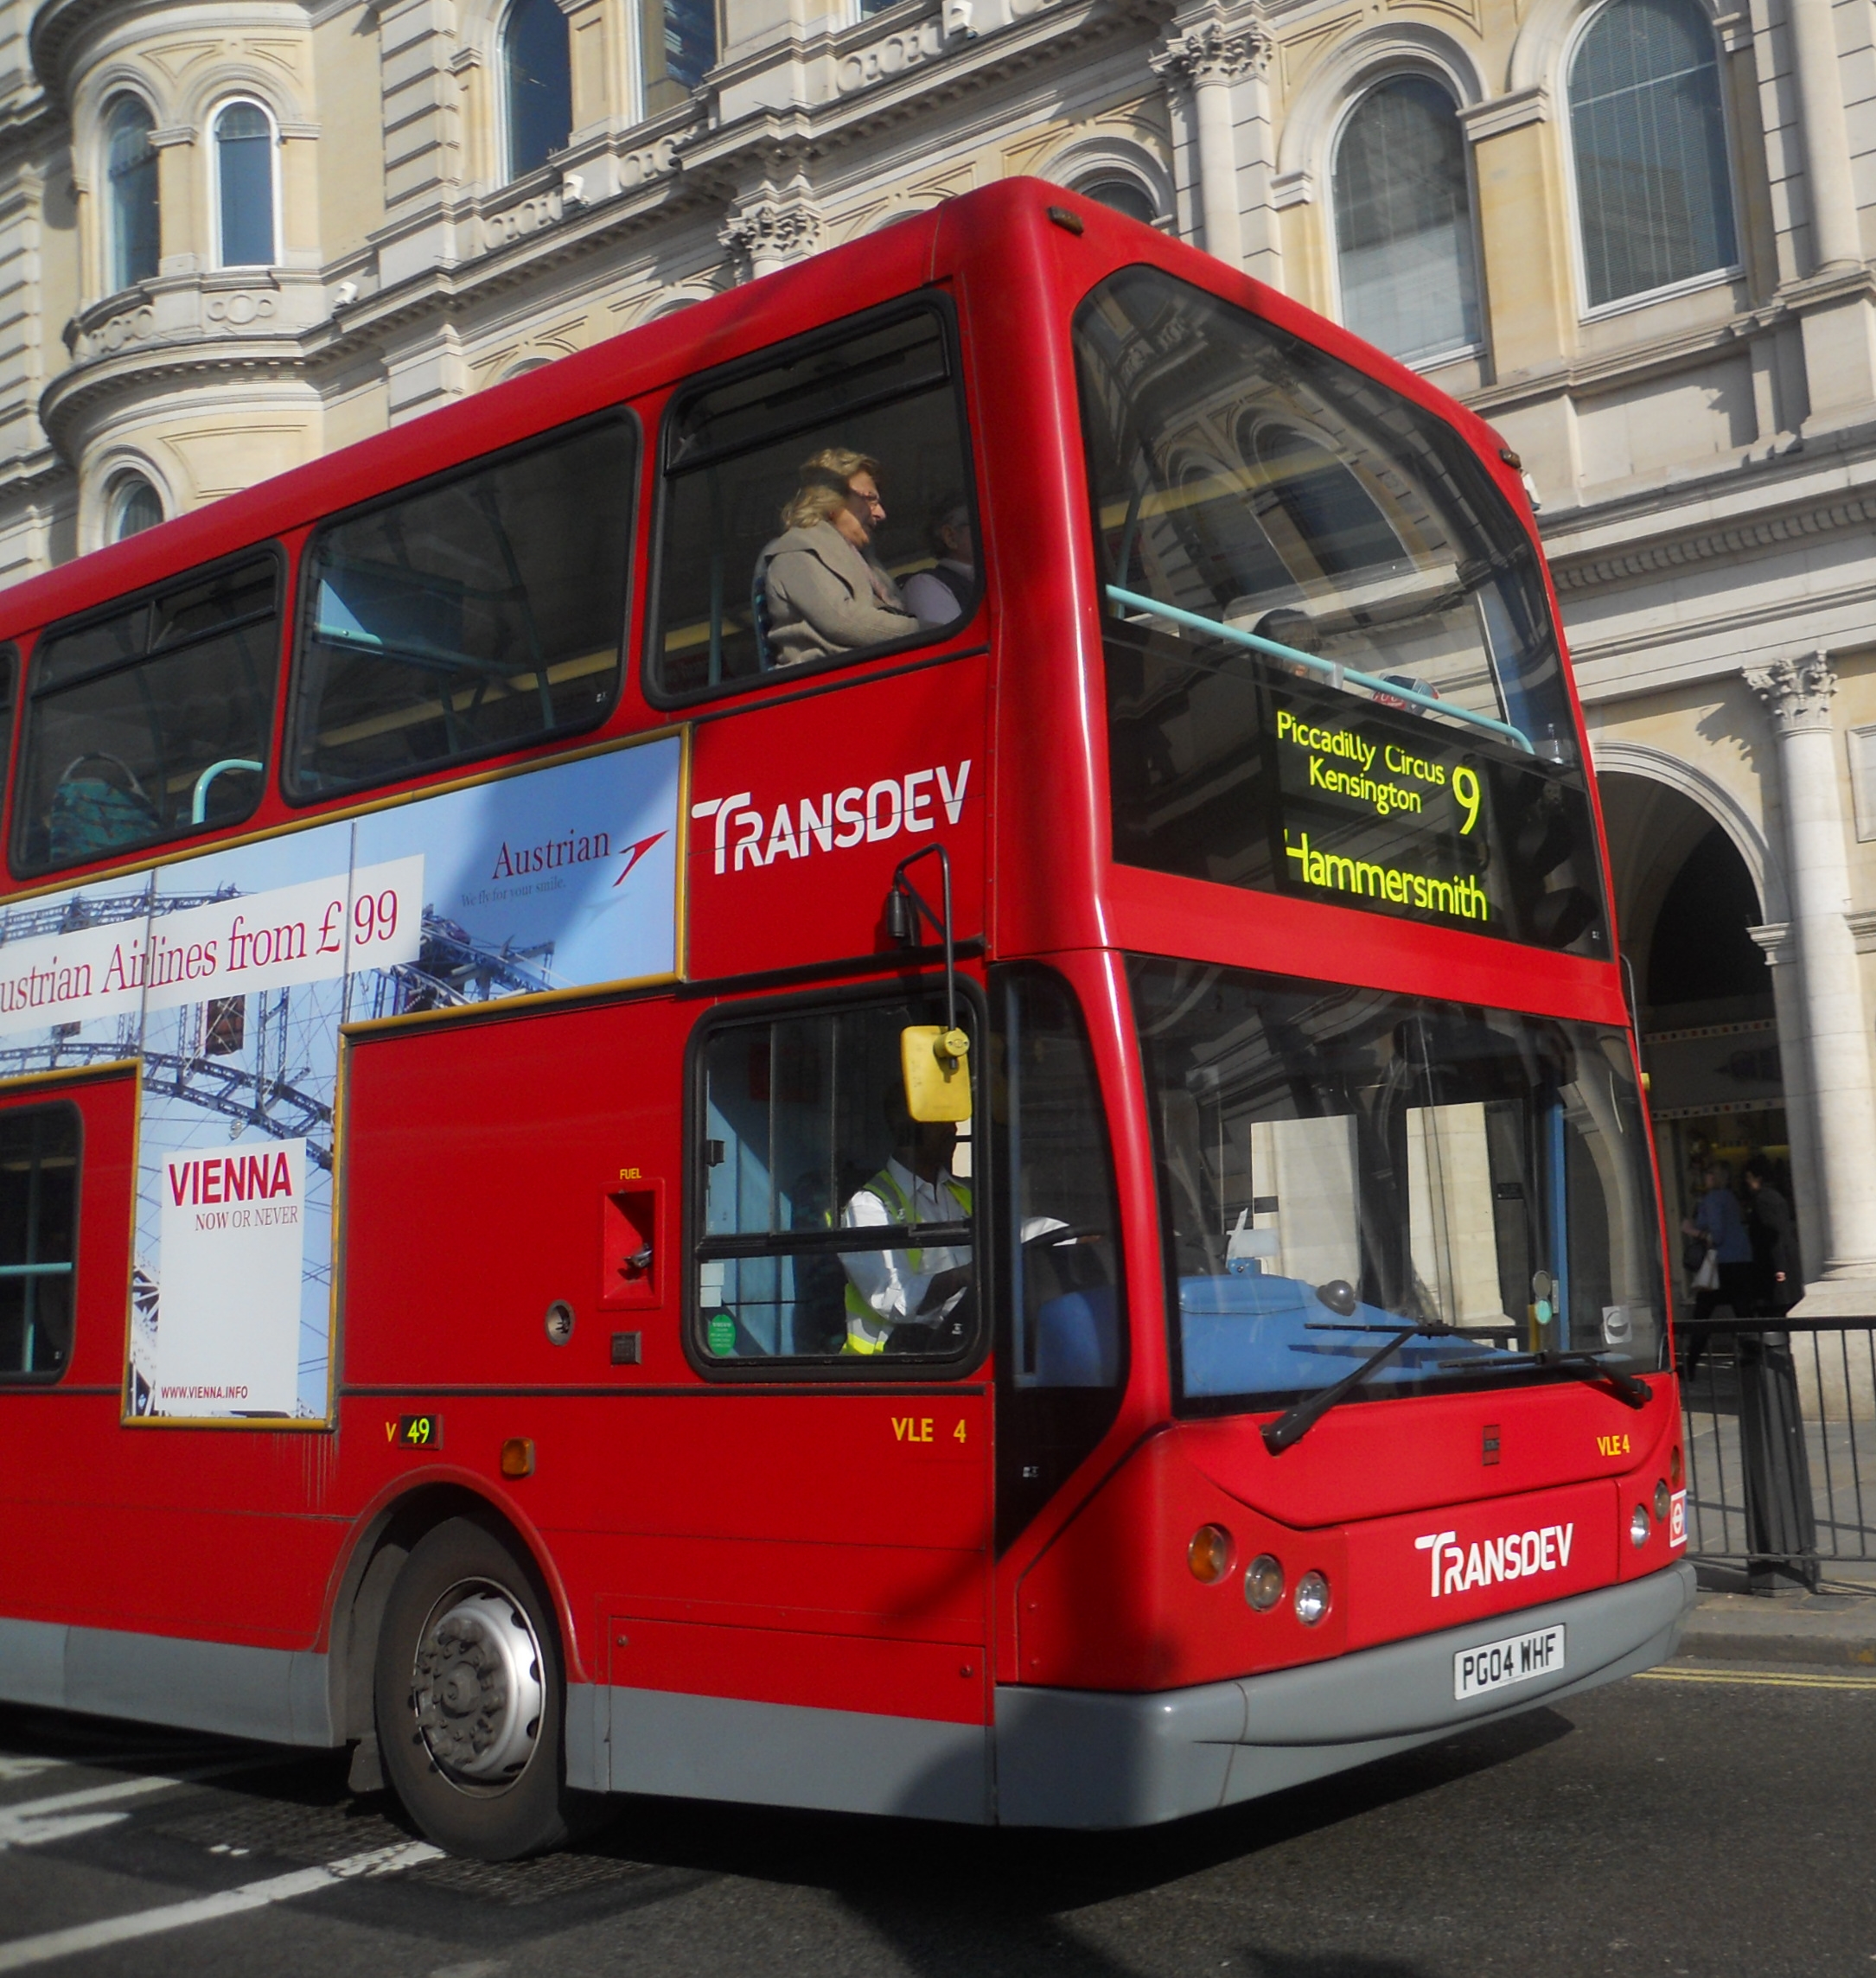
x=538, y=80
x=132, y=213
x=1648, y=137
x=245, y=186
x=1336, y=522
x=1403, y=206
x=131, y=506
x=680, y=39
x=1123, y=192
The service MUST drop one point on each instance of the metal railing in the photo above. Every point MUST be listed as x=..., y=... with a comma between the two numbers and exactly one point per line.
x=1780, y=1422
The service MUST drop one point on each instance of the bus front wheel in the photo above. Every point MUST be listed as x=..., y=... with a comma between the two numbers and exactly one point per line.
x=468, y=1698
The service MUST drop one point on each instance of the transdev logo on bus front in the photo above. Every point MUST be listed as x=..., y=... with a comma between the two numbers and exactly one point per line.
x=1518, y=1555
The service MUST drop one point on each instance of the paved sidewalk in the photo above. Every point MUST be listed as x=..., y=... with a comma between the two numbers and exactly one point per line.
x=1836, y=1624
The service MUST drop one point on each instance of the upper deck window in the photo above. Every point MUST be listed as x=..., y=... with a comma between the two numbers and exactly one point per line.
x=817, y=507
x=1331, y=668
x=149, y=720
x=481, y=612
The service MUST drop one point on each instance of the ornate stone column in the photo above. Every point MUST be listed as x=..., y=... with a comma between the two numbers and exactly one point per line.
x=1797, y=692
x=1837, y=239
x=1209, y=57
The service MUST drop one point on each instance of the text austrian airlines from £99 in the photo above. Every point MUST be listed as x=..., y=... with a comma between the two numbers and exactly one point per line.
x=750, y=835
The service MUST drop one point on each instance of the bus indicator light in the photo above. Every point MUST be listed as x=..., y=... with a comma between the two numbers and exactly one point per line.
x=518, y=1456
x=1640, y=1525
x=1210, y=1553
x=1311, y=1598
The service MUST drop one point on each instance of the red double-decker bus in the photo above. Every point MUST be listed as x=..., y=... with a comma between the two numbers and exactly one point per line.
x=866, y=1053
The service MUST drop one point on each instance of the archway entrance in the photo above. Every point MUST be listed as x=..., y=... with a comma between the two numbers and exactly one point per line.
x=1684, y=901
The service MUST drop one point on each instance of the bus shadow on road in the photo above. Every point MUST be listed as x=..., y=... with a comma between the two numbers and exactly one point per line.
x=947, y=1899
x=1045, y=1869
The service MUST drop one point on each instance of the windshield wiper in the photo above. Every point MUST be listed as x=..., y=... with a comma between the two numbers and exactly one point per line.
x=1331, y=670
x=1293, y=1424
x=1630, y=1391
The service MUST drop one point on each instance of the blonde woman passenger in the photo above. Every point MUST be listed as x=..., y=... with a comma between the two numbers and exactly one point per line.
x=820, y=584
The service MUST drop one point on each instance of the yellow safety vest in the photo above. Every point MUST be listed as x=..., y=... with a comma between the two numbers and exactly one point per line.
x=866, y=1332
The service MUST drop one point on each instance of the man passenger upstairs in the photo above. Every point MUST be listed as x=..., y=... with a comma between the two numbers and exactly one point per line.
x=943, y=594
x=900, y=1300
x=820, y=585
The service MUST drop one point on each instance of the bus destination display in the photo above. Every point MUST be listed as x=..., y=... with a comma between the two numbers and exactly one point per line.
x=1384, y=812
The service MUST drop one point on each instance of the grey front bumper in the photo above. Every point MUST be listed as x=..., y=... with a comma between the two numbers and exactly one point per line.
x=1092, y=1759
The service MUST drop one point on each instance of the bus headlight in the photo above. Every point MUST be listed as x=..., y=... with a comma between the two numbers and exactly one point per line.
x=1210, y=1553
x=1263, y=1582
x=1311, y=1598
x=1660, y=1501
x=1639, y=1526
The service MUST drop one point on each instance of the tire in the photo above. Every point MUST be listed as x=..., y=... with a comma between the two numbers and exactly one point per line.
x=469, y=1698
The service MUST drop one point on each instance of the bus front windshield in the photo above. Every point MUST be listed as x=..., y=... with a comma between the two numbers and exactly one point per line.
x=1331, y=666
x=1334, y=1162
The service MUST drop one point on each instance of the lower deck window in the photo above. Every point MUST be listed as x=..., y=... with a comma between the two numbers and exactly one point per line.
x=39, y=1155
x=834, y=1227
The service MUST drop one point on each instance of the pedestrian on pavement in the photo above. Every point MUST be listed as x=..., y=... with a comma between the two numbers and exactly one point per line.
x=1718, y=1217
x=1781, y=1527
x=1775, y=1242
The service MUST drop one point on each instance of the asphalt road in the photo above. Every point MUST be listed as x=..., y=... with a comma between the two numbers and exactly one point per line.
x=1699, y=1820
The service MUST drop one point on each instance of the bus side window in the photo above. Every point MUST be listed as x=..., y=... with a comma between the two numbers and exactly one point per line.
x=828, y=1225
x=149, y=720
x=817, y=507
x=39, y=1161
x=479, y=612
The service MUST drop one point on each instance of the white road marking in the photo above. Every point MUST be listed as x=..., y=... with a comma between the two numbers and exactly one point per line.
x=29, y=1950
x=30, y=1823
x=12, y=1768
x=52, y=1818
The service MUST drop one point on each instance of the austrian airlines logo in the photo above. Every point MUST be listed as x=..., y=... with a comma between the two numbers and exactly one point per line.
x=1518, y=1555
x=837, y=819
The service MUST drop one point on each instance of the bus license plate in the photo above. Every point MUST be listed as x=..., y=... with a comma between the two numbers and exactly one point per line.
x=1496, y=1665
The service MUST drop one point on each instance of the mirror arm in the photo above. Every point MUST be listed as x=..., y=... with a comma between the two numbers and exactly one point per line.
x=904, y=925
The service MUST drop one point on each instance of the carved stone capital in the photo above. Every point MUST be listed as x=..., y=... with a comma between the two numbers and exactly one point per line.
x=1211, y=52
x=762, y=236
x=1797, y=691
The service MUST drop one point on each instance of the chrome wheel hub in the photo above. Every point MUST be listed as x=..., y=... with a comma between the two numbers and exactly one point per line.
x=478, y=1686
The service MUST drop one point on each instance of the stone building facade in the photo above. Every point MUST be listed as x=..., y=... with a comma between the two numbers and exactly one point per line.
x=1635, y=234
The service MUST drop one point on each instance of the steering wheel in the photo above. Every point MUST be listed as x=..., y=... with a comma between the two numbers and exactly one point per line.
x=1052, y=1239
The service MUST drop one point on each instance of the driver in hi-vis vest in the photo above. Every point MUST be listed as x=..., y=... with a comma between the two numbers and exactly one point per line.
x=919, y=1288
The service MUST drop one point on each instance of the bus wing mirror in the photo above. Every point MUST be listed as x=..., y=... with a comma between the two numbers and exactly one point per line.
x=935, y=1058
x=936, y=1062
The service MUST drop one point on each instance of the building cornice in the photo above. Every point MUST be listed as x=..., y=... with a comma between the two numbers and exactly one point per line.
x=1683, y=548
x=76, y=394
x=1053, y=33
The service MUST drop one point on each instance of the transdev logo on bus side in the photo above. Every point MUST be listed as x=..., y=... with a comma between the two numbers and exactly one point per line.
x=837, y=819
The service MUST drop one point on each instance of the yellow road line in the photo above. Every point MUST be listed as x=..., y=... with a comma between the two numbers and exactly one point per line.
x=1793, y=1682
